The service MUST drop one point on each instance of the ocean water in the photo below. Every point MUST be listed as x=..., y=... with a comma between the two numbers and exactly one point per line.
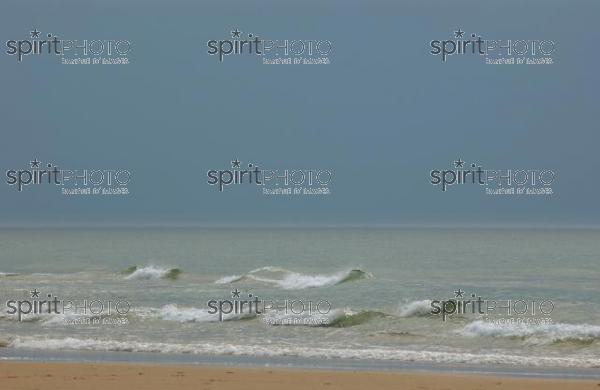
x=351, y=293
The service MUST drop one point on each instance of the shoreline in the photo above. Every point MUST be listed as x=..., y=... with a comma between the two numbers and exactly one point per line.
x=152, y=376
x=41, y=356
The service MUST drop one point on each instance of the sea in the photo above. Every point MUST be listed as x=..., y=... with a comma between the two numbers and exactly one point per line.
x=476, y=296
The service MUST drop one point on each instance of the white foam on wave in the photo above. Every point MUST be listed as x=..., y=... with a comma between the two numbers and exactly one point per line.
x=534, y=333
x=296, y=281
x=229, y=279
x=149, y=272
x=176, y=313
x=271, y=350
x=415, y=308
x=171, y=312
x=290, y=280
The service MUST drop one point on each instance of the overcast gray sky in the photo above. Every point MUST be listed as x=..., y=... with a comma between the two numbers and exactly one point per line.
x=380, y=116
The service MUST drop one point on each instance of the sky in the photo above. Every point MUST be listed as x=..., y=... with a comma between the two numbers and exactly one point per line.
x=380, y=116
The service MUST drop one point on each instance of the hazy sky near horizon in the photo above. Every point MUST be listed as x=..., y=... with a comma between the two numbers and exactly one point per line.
x=381, y=116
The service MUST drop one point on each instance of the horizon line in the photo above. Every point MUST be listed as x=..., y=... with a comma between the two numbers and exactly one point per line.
x=354, y=225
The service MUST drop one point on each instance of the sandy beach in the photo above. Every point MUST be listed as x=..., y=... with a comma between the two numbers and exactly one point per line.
x=67, y=376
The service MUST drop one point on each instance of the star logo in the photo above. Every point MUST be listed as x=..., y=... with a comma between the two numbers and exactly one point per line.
x=35, y=163
x=235, y=163
x=459, y=163
x=235, y=33
x=459, y=33
x=35, y=33
x=458, y=293
x=235, y=293
x=35, y=293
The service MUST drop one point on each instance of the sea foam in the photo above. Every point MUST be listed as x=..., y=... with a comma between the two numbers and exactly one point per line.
x=272, y=350
x=415, y=308
x=290, y=280
x=151, y=272
x=534, y=333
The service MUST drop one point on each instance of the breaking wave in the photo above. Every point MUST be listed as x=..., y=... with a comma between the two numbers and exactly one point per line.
x=189, y=314
x=290, y=280
x=535, y=333
x=273, y=350
x=415, y=308
x=151, y=272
